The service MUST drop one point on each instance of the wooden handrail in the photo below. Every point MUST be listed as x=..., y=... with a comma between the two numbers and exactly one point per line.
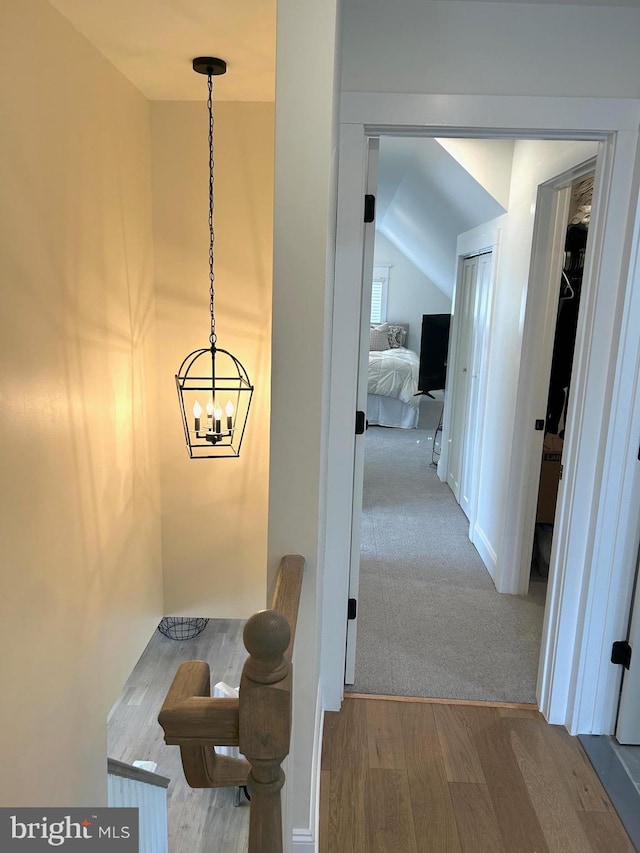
x=196, y=723
x=286, y=596
x=259, y=721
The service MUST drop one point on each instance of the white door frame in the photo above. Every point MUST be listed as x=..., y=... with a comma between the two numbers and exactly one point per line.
x=547, y=256
x=588, y=606
x=361, y=404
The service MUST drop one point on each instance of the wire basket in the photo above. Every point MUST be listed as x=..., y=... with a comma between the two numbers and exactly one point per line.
x=182, y=627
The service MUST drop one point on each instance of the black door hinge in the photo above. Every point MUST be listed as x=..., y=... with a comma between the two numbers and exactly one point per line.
x=361, y=422
x=369, y=208
x=352, y=608
x=540, y=424
x=621, y=653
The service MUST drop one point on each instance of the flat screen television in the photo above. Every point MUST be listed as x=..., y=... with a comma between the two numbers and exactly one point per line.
x=434, y=347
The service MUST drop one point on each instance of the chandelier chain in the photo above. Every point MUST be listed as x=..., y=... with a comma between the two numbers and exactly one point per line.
x=212, y=337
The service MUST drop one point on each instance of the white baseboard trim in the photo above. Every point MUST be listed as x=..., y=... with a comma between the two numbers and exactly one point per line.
x=303, y=840
x=306, y=839
x=488, y=555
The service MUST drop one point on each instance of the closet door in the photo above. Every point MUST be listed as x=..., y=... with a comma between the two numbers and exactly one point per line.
x=465, y=306
x=472, y=425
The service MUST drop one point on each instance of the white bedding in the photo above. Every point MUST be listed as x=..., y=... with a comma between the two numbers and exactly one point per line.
x=394, y=373
x=391, y=412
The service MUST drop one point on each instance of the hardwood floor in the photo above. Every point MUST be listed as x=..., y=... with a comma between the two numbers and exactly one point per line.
x=409, y=776
x=432, y=777
x=199, y=821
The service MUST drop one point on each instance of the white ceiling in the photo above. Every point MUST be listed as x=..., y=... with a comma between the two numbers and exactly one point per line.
x=152, y=42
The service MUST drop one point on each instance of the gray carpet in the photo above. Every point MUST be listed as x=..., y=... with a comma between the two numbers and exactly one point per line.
x=430, y=622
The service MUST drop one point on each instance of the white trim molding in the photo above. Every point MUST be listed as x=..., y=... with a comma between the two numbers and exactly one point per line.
x=303, y=840
x=590, y=594
x=608, y=596
x=483, y=547
x=307, y=838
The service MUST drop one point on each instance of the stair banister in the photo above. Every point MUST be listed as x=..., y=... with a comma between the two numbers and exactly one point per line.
x=259, y=721
x=197, y=723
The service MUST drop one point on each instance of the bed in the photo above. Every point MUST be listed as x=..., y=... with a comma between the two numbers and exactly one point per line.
x=392, y=378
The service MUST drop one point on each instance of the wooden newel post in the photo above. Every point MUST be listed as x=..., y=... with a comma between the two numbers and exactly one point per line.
x=265, y=724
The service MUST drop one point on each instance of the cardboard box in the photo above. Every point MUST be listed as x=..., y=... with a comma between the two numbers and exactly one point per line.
x=549, y=479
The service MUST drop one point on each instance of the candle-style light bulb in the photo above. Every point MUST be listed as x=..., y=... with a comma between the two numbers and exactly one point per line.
x=210, y=414
x=229, y=411
x=197, y=411
x=218, y=417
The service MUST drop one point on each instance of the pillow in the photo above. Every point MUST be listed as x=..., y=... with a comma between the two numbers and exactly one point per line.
x=379, y=337
x=397, y=336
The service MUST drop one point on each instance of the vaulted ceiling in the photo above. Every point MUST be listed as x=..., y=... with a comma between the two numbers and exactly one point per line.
x=426, y=197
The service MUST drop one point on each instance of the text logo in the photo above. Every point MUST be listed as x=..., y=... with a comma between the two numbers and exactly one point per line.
x=75, y=829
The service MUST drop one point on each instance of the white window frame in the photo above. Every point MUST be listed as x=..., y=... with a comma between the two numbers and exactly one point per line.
x=380, y=280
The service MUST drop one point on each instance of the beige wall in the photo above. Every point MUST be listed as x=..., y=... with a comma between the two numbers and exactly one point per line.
x=214, y=511
x=79, y=497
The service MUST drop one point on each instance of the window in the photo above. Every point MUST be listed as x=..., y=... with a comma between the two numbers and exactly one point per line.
x=379, y=290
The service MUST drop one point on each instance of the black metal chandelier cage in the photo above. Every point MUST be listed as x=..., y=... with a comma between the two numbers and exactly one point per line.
x=213, y=387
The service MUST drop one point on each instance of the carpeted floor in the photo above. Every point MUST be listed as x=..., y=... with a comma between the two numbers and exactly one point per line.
x=430, y=622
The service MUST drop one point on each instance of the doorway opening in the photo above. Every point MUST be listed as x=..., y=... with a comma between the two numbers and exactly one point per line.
x=469, y=401
x=573, y=265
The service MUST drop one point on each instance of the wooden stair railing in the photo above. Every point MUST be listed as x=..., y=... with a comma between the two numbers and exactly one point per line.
x=259, y=721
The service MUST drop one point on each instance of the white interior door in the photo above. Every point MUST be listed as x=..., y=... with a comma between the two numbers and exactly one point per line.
x=481, y=288
x=358, y=466
x=628, y=727
x=460, y=387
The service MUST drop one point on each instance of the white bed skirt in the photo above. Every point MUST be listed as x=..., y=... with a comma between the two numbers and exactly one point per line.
x=391, y=412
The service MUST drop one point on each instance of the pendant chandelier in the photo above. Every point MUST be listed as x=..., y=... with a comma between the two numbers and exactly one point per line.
x=213, y=386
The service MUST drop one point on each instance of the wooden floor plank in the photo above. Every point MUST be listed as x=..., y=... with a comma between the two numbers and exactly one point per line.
x=476, y=820
x=349, y=743
x=518, y=822
x=388, y=818
x=582, y=784
x=456, y=744
x=349, y=755
x=605, y=832
x=531, y=713
x=526, y=804
x=433, y=816
x=474, y=703
x=323, y=822
x=330, y=722
x=562, y=829
x=384, y=736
